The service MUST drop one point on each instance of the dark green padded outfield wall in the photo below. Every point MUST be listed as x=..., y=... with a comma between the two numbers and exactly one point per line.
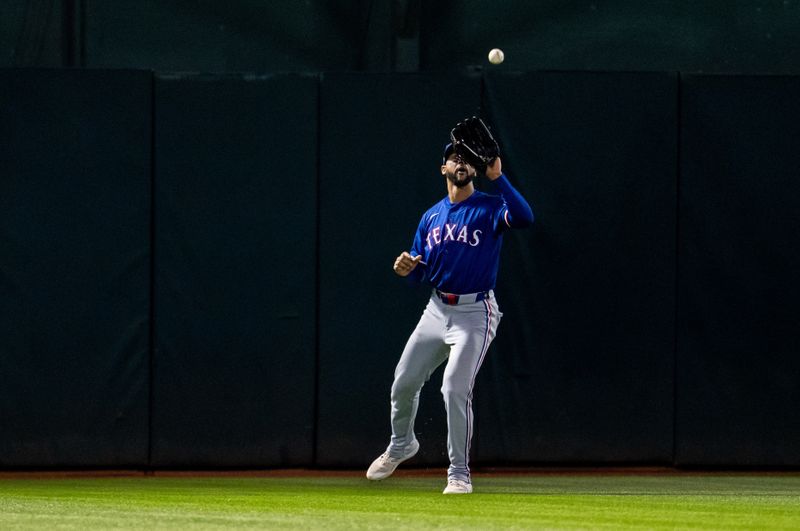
x=195, y=270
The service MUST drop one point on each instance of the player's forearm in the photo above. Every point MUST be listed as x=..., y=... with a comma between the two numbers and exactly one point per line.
x=519, y=211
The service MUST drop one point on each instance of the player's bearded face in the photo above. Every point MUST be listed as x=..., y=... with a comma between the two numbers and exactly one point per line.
x=459, y=172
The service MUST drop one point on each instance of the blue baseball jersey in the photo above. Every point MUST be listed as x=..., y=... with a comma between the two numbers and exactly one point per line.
x=460, y=242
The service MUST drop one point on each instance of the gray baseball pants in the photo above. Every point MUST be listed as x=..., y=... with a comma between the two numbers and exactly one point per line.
x=459, y=334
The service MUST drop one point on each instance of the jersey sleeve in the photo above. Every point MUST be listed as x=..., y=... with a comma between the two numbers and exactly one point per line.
x=515, y=212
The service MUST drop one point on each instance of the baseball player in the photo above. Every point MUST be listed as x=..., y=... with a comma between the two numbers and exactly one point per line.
x=456, y=250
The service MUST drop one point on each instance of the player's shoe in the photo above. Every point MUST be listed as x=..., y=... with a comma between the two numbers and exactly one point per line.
x=457, y=486
x=385, y=464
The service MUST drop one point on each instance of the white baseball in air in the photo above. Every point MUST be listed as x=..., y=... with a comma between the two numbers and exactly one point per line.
x=496, y=56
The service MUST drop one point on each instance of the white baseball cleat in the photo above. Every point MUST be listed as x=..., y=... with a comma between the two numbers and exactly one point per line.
x=457, y=486
x=385, y=464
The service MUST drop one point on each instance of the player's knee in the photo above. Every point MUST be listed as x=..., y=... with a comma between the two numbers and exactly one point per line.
x=454, y=390
x=404, y=388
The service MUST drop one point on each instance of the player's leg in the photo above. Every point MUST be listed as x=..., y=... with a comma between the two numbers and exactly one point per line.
x=474, y=330
x=425, y=350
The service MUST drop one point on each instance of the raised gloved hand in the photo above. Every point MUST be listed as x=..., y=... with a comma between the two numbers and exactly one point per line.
x=473, y=141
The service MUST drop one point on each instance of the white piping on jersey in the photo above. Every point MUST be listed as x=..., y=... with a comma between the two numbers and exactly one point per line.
x=433, y=216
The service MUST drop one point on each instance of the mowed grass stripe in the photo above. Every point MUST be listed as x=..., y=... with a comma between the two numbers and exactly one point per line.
x=500, y=502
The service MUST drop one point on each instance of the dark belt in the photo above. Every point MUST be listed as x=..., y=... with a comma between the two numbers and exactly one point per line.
x=452, y=299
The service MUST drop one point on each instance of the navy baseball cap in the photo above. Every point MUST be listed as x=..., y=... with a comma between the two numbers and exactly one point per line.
x=448, y=150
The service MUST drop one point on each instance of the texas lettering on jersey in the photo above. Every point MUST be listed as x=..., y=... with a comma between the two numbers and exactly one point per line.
x=452, y=232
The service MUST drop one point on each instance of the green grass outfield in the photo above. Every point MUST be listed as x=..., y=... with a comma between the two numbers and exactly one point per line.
x=544, y=501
